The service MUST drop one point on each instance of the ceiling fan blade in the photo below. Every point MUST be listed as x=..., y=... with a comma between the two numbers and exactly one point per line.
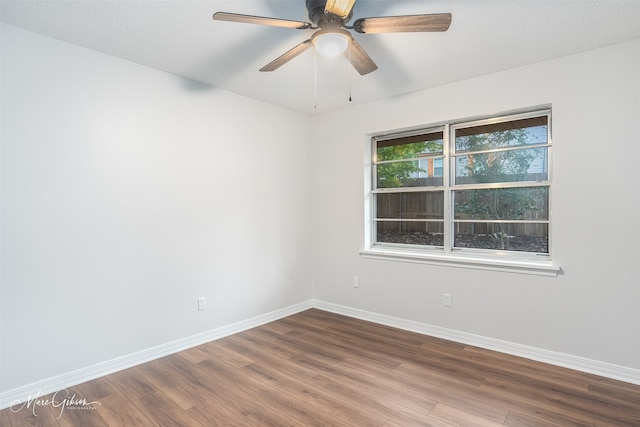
x=260, y=20
x=408, y=23
x=359, y=58
x=287, y=56
x=341, y=8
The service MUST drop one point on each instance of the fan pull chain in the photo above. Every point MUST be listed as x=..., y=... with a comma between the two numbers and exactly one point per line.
x=349, y=70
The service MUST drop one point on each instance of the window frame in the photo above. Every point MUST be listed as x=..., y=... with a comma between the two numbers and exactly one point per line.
x=491, y=259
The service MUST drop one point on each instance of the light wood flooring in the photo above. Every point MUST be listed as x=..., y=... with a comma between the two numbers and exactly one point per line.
x=317, y=368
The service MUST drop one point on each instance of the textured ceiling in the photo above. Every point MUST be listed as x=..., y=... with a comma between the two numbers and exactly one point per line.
x=180, y=37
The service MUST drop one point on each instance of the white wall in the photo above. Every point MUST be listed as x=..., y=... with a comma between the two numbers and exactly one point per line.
x=590, y=310
x=126, y=194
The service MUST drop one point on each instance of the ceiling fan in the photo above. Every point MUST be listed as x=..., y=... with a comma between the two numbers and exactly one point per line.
x=330, y=18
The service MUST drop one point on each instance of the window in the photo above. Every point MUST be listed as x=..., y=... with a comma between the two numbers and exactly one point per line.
x=475, y=190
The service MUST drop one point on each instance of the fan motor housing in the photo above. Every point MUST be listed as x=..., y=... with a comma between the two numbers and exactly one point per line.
x=321, y=19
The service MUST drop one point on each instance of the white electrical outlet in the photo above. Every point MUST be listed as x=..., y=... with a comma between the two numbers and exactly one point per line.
x=202, y=303
x=446, y=300
x=356, y=282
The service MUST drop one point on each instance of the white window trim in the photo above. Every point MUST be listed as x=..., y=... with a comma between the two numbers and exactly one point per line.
x=527, y=264
x=541, y=268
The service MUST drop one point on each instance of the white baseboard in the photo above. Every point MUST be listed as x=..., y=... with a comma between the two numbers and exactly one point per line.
x=577, y=363
x=50, y=385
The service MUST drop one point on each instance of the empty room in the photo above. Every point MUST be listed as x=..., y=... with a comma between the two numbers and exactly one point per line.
x=319, y=212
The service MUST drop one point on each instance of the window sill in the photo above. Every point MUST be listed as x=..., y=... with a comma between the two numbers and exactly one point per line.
x=541, y=268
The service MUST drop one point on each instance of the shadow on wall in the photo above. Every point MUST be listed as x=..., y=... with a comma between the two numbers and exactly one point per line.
x=195, y=86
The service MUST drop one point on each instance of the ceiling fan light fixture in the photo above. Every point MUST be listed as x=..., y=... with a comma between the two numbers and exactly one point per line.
x=340, y=8
x=329, y=18
x=331, y=44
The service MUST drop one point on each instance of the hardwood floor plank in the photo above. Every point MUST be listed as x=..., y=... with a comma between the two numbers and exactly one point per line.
x=36, y=416
x=116, y=410
x=614, y=390
x=233, y=381
x=277, y=327
x=518, y=368
x=5, y=420
x=263, y=355
x=268, y=344
x=403, y=354
x=451, y=392
x=455, y=391
x=441, y=369
x=295, y=393
x=81, y=416
x=277, y=390
x=516, y=419
x=392, y=390
x=520, y=402
x=428, y=422
x=171, y=382
x=378, y=405
x=209, y=385
x=284, y=409
x=164, y=412
x=211, y=414
x=317, y=368
x=342, y=373
x=403, y=340
x=579, y=405
x=458, y=417
x=96, y=390
x=195, y=355
x=215, y=390
x=352, y=392
x=310, y=319
x=257, y=386
x=131, y=384
x=325, y=339
x=221, y=350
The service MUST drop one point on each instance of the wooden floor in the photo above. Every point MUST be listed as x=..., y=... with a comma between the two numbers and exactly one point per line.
x=318, y=368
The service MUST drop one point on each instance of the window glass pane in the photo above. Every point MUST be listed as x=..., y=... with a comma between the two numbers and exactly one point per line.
x=502, y=204
x=409, y=147
x=504, y=166
x=410, y=232
x=413, y=173
x=522, y=237
x=423, y=205
x=438, y=166
x=501, y=135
